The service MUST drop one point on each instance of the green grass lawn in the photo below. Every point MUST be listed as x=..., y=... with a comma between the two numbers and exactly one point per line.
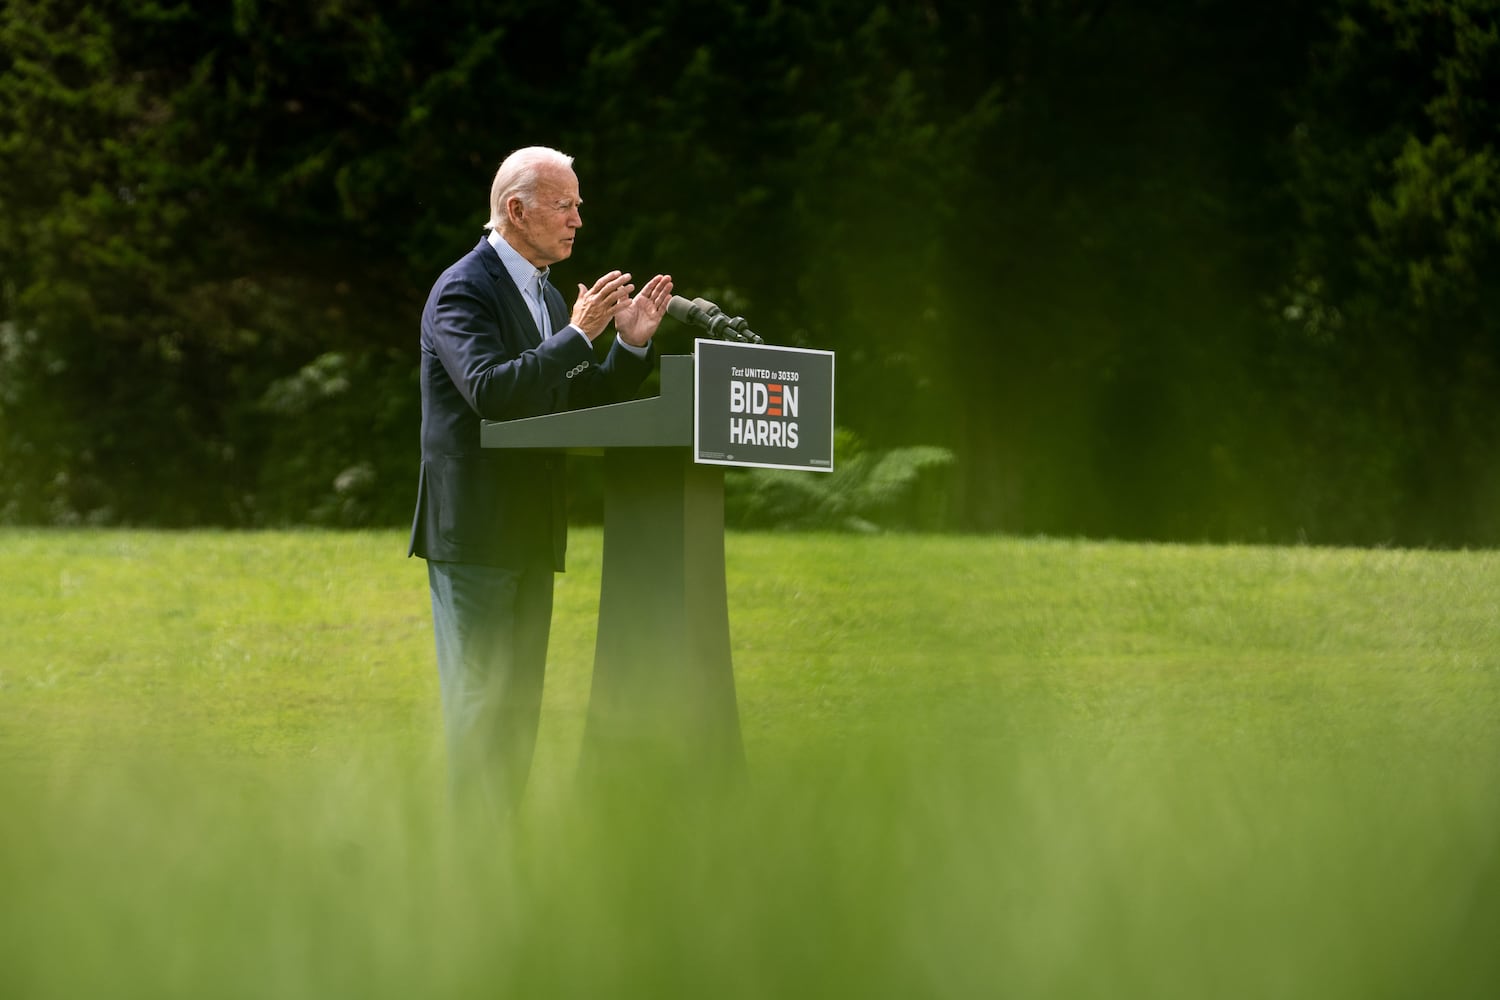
x=979, y=768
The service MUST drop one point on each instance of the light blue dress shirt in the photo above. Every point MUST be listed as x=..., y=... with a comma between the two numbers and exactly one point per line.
x=525, y=275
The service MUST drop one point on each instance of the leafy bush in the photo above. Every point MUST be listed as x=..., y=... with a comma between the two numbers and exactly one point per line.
x=867, y=491
x=342, y=449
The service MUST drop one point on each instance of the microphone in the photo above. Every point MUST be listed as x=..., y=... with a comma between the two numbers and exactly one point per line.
x=742, y=331
x=705, y=314
x=686, y=312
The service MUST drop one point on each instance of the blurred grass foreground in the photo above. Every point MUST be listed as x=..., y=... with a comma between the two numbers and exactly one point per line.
x=979, y=768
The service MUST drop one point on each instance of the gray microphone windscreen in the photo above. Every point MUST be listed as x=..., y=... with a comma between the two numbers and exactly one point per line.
x=681, y=309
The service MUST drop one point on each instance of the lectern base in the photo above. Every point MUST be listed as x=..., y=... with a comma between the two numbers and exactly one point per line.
x=663, y=688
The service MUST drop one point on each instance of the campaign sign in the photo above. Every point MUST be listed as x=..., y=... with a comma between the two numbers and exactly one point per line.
x=763, y=406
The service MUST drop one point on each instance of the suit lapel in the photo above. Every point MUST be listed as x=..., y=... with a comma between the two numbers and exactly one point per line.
x=513, y=305
x=557, y=312
x=557, y=309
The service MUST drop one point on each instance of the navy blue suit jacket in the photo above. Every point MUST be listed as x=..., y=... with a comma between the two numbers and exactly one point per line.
x=483, y=359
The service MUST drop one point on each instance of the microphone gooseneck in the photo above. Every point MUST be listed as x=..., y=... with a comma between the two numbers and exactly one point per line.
x=709, y=317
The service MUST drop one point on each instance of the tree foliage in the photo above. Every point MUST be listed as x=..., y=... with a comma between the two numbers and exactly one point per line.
x=1189, y=270
x=1394, y=296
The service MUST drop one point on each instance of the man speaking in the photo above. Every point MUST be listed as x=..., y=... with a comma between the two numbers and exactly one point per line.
x=498, y=342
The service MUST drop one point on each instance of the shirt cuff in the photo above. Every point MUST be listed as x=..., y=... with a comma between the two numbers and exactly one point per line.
x=640, y=352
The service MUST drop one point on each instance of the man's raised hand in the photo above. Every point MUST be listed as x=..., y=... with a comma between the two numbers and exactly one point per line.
x=596, y=306
x=638, y=319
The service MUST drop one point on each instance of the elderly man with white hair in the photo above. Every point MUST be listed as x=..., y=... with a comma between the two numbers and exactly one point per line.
x=499, y=342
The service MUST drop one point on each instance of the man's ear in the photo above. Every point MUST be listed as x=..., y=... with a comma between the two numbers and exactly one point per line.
x=515, y=208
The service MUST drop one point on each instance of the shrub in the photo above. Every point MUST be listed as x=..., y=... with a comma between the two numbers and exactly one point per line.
x=867, y=491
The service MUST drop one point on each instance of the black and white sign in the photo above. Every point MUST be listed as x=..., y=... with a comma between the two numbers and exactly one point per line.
x=763, y=406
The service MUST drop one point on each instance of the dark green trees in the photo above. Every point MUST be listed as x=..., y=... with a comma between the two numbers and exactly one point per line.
x=1186, y=270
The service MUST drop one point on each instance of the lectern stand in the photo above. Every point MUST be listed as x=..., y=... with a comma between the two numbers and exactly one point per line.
x=663, y=686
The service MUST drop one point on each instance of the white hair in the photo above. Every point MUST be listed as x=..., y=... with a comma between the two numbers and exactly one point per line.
x=518, y=177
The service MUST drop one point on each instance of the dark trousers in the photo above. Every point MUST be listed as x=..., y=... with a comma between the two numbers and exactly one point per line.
x=491, y=627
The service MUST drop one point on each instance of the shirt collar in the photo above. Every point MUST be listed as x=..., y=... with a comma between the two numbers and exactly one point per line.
x=519, y=268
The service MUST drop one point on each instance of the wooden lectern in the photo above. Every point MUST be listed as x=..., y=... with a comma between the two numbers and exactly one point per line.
x=663, y=682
